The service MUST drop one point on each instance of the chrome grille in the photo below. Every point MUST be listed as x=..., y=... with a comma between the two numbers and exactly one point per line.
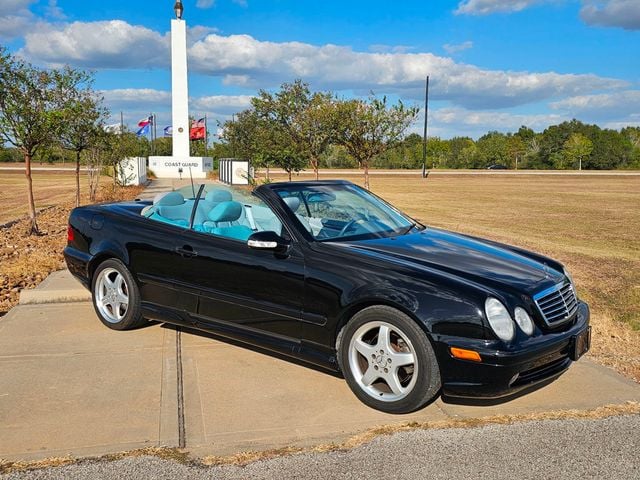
x=557, y=304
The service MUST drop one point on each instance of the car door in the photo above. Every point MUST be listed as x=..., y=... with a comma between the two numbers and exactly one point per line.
x=162, y=271
x=260, y=291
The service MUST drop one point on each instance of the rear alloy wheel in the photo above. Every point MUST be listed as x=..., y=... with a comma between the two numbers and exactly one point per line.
x=116, y=298
x=388, y=360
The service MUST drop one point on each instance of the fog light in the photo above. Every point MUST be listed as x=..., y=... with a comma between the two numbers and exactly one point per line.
x=463, y=354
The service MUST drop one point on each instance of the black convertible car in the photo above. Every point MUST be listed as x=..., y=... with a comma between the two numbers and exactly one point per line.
x=329, y=273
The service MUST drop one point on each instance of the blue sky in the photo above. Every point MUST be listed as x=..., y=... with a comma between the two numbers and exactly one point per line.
x=493, y=64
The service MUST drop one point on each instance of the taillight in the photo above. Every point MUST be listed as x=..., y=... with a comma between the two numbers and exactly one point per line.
x=70, y=235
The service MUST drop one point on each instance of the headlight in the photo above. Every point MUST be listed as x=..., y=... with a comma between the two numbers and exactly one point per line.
x=523, y=320
x=499, y=319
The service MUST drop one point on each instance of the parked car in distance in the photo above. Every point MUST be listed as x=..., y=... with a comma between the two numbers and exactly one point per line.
x=331, y=274
x=497, y=166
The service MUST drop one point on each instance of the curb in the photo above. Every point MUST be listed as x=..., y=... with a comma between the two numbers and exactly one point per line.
x=58, y=287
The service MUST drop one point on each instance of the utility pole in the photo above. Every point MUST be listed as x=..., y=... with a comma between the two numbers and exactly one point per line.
x=424, y=136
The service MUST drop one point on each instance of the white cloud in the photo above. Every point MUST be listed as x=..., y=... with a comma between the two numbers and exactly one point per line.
x=136, y=98
x=244, y=61
x=382, y=48
x=453, y=122
x=205, y=3
x=15, y=17
x=9, y=7
x=486, y=7
x=612, y=13
x=601, y=106
x=452, y=48
x=222, y=104
x=104, y=44
x=136, y=101
x=54, y=11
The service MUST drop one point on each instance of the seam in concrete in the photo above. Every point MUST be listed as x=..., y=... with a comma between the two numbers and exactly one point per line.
x=168, y=421
x=181, y=426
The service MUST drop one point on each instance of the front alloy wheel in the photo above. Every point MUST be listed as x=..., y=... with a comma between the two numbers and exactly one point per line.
x=383, y=361
x=388, y=360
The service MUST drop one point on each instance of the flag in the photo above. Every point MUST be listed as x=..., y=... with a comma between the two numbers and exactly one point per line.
x=168, y=131
x=144, y=130
x=146, y=121
x=198, y=130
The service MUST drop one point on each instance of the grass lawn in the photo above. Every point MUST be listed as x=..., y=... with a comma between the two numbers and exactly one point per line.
x=589, y=223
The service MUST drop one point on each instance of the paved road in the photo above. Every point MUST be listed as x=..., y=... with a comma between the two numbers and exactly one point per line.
x=414, y=172
x=567, y=449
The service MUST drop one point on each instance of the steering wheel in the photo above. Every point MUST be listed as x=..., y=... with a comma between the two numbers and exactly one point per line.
x=350, y=225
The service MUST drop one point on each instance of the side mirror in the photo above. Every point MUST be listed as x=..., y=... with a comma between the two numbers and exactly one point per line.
x=268, y=241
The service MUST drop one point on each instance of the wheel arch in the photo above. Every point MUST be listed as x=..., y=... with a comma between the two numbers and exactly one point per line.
x=348, y=313
x=101, y=257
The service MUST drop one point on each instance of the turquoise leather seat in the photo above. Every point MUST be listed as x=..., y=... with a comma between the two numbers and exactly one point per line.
x=170, y=208
x=227, y=213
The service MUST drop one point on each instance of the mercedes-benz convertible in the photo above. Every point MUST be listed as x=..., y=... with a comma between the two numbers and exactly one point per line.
x=333, y=275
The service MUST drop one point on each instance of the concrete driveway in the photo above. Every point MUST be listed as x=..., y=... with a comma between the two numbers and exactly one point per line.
x=69, y=385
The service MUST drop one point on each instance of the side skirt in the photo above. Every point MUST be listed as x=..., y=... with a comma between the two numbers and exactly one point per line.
x=287, y=346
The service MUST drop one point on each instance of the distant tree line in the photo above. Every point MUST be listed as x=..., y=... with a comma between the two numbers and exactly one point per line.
x=569, y=145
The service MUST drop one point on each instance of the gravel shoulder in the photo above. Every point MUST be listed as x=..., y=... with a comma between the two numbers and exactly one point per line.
x=568, y=449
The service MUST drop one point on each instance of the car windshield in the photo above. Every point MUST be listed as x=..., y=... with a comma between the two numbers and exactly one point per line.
x=334, y=212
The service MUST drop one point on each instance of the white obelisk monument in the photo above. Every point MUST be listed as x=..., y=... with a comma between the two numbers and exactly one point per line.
x=180, y=164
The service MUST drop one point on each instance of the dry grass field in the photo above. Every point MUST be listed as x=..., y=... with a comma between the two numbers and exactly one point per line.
x=589, y=223
x=49, y=188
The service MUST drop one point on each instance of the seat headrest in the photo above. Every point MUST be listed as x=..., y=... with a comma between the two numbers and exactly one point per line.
x=292, y=202
x=168, y=199
x=226, y=212
x=217, y=196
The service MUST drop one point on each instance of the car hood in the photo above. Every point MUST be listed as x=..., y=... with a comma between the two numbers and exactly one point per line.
x=473, y=259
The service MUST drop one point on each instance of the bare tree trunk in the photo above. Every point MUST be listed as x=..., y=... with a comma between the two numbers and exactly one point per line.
x=315, y=162
x=32, y=205
x=366, y=175
x=77, y=178
x=267, y=179
x=289, y=172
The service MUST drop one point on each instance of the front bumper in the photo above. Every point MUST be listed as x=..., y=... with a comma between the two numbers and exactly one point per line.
x=505, y=372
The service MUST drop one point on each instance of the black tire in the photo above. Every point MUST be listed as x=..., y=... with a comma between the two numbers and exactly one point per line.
x=415, y=384
x=111, y=310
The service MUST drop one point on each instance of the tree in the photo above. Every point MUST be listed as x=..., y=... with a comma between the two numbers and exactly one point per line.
x=577, y=147
x=29, y=115
x=82, y=114
x=307, y=118
x=493, y=149
x=369, y=128
x=263, y=140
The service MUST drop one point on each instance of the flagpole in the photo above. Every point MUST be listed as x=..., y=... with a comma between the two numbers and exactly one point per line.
x=150, y=117
x=424, y=138
x=206, y=140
